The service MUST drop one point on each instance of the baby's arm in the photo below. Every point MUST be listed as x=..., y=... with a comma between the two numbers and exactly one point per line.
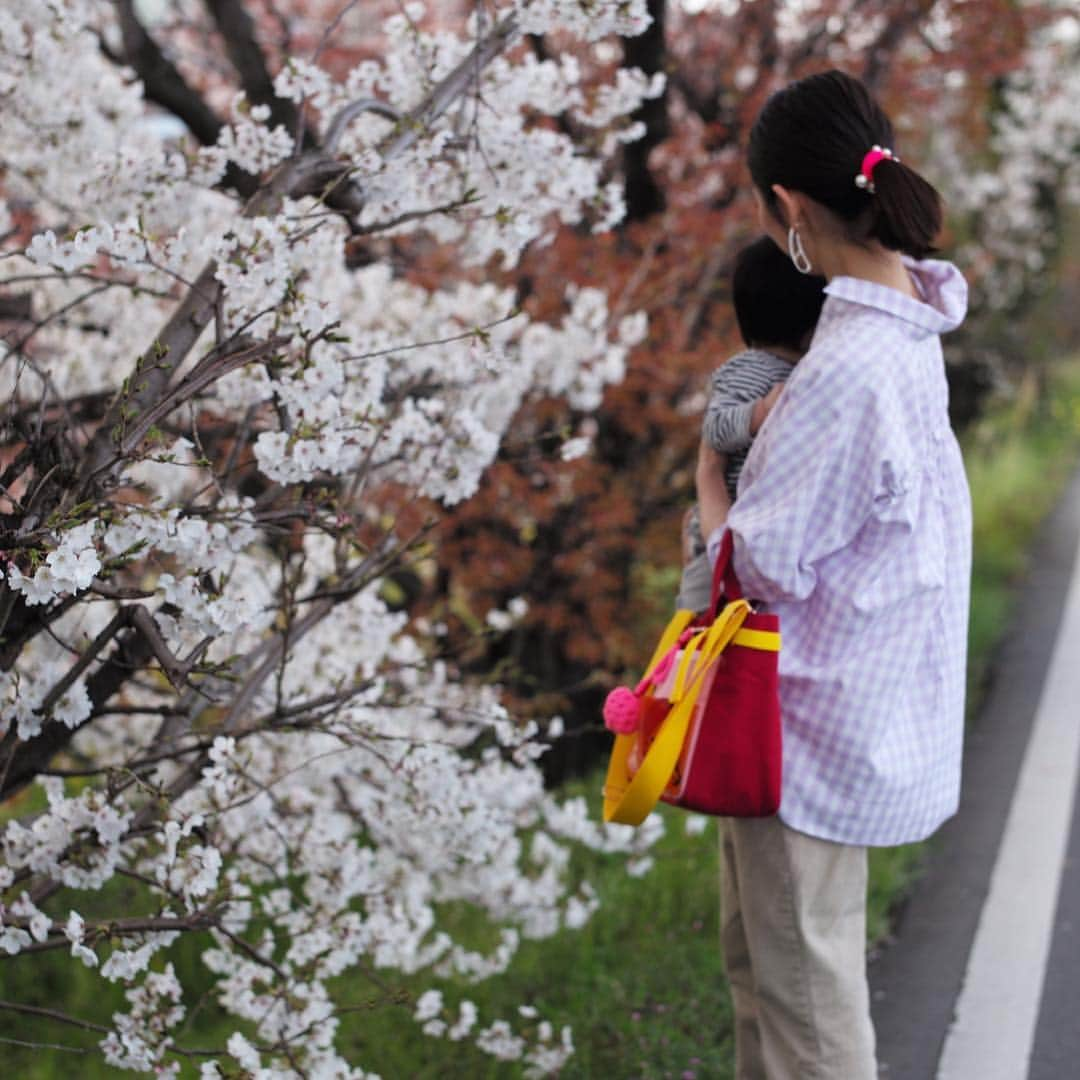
x=726, y=427
x=731, y=420
x=763, y=406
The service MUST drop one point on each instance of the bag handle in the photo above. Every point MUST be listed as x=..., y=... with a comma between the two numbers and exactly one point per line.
x=724, y=582
x=630, y=803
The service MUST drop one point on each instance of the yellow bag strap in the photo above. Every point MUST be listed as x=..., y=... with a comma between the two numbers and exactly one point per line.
x=765, y=640
x=630, y=802
x=689, y=652
x=706, y=646
x=679, y=622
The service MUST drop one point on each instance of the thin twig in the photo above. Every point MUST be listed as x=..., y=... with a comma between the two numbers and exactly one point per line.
x=52, y=1014
x=45, y=1046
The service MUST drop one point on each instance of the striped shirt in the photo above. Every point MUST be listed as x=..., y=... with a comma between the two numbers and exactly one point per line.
x=853, y=523
x=734, y=388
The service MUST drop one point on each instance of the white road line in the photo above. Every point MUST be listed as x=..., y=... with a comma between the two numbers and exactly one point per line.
x=994, y=1027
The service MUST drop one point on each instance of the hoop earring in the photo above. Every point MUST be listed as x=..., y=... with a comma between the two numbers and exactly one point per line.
x=797, y=252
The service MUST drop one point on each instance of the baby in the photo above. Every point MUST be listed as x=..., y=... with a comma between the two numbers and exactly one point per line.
x=777, y=309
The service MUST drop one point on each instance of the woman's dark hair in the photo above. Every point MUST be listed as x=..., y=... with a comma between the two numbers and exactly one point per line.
x=811, y=137
x=774, y=303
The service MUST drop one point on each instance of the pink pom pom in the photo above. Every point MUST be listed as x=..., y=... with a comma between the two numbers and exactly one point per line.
x=621, y=711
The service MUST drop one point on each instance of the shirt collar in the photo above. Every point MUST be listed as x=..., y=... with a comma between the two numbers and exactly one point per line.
x=943, y=288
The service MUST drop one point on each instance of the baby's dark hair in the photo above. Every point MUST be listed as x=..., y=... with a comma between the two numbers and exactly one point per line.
x=812, y=135
x=774, y=303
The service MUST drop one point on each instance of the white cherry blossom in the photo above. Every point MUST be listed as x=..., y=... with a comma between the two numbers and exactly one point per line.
x=235, y=392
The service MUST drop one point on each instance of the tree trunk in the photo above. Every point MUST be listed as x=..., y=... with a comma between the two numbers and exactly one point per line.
x=648, y=51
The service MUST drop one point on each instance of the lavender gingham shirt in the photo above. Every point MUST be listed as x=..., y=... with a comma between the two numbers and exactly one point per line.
x=853, y=523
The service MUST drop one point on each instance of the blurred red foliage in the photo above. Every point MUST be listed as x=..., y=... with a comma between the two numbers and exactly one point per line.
x=593, y=544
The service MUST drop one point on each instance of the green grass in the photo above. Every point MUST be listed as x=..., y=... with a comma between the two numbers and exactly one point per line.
x=642, y=983
x=1018, y=459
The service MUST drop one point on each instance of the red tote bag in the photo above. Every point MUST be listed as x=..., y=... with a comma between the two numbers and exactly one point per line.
x=717, y=747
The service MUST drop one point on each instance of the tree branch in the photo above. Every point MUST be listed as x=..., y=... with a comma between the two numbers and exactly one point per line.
x=163, y=84
x=209, y=370
x=152, y=371
x=52, y=1014
x=134, y=649
x=199, y=920
x=238, y=31
x=349, y=113
x=647, y=51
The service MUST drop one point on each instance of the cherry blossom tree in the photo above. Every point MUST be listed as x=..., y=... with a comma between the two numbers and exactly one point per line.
x=234, y=406
x=304, y=300
x=1013, y=189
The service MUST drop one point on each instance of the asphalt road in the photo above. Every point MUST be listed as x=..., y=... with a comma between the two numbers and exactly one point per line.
x=982, y=981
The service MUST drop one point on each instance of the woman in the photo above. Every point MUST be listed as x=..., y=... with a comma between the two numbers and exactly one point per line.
x=852, y=522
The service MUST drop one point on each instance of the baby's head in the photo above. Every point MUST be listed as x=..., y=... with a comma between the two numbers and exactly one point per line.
x=775, y=305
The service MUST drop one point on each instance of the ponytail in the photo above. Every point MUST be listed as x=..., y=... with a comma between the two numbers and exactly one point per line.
x=906, y=213
x=812, y=136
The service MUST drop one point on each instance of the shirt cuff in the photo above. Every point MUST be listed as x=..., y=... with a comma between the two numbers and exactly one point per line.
x=712, y=545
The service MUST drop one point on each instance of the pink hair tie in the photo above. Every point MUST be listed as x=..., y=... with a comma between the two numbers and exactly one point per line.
x=865, y=177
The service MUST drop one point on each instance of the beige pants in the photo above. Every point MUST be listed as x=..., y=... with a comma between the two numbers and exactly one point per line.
x=793, y=925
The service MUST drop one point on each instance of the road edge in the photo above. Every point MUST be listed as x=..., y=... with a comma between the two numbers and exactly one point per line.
x=916, y=979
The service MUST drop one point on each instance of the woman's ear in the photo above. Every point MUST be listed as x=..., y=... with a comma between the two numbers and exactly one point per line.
x=788, y=205
x=769, y=221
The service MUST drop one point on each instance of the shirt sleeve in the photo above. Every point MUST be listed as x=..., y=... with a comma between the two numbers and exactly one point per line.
x=733, y=389
x=712, y=544
x=695, y=583
x=832, y=454
x=726, y=427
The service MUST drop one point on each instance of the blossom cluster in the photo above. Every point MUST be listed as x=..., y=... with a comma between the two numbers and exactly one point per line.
x=1032, y=175
x=69, y=568
x=287, y=766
